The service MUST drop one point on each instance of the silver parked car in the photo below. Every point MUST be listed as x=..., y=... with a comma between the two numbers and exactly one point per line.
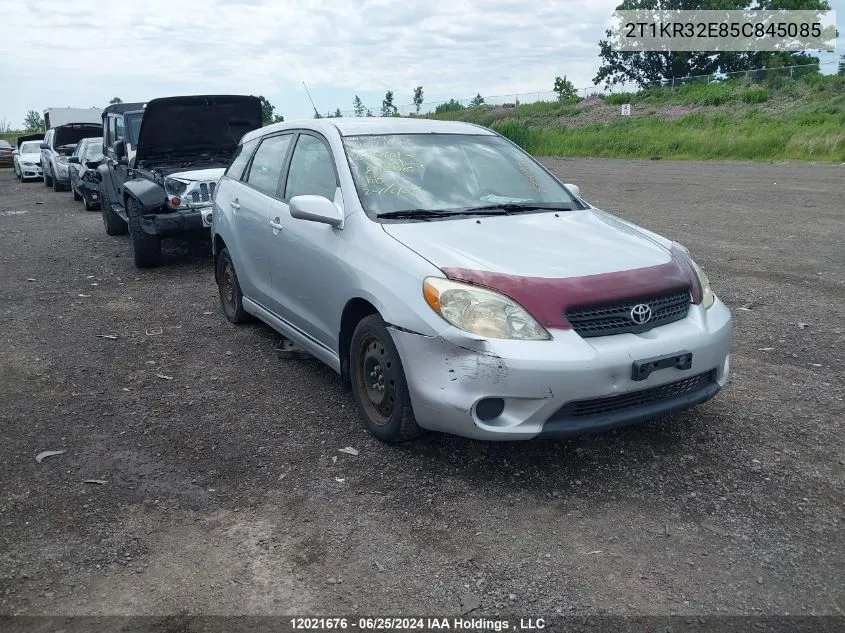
x=456, y=285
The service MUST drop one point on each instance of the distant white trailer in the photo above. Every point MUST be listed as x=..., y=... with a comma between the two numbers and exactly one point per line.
x=54, y=117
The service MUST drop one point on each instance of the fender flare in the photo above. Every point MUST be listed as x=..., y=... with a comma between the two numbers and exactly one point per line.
x=149, y=195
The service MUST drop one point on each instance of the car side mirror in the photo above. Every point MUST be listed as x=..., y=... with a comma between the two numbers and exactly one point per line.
x=576, y=191
x=119, y=149
x=45, y=146
x=315, y=209
x=74, y=160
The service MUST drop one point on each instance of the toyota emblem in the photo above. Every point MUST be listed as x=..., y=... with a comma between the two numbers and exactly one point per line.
x=641, y=314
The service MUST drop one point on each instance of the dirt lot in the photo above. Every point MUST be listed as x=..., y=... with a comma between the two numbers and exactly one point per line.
x=222, y=494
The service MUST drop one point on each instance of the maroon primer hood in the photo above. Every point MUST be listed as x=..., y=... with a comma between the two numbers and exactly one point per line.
x=548, y=299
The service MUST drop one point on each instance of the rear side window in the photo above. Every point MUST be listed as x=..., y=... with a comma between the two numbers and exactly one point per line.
x=240, y=159
x=267, y=165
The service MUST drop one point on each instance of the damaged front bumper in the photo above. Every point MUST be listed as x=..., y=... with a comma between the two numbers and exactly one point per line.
x=90, y=191
x=520, y=390
x=30, y=171
x=164, y=224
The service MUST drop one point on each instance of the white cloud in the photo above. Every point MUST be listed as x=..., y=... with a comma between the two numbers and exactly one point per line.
x=70, y=54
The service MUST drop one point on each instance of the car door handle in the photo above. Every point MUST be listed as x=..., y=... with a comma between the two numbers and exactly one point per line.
x=234, y=204
x=276, y=224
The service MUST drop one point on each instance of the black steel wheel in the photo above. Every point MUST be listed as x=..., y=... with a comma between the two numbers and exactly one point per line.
x=378, y=383
x=231, y=297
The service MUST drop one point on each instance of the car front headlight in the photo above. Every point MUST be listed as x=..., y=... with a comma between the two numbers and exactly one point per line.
x=707, y=296
x=175, y=187
x=481, y=311
x=61, y=159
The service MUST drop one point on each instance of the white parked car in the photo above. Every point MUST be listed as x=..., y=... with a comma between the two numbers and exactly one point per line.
x=27, y=160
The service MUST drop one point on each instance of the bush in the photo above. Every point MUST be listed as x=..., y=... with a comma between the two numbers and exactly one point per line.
x=620, y=97
x=755, y=95
x=449, y=106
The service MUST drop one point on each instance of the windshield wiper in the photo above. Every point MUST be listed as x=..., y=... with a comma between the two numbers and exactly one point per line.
x=417, y=214
x=516, y=207
x=424, y=214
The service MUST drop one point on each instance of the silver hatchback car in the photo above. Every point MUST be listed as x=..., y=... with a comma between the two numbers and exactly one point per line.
x=456, y=285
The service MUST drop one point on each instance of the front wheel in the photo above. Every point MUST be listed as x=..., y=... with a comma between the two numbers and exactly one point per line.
x=378, y=383
x=48, y=181
x=76, y=195
x=147, y=248
x=57, y=186
x=115, y=225
x=231, y=297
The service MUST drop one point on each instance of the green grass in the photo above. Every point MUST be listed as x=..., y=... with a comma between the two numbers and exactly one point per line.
x=780, y=119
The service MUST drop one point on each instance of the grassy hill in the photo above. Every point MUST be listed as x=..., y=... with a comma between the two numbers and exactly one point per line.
x=783, y=119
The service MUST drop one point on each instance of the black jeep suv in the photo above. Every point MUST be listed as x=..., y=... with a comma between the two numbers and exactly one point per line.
x=183, y=147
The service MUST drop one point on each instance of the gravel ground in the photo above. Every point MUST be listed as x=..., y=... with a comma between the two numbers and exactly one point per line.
x=222, y=494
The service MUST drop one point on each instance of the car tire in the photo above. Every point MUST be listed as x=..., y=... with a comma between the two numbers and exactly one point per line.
x=378, y=382
x=48, y=182
x=147, y=248
x=115, y=225
x=229, y=289
x=57, y=186
x=76, y=195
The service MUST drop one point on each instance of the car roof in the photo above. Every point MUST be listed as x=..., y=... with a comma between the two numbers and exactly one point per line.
x=121, y=108
x=351, y=126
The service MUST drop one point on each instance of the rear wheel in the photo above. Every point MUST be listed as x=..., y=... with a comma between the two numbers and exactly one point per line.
x=378, y=383
x=115, y=225
x=231, y=297
x=147, y=248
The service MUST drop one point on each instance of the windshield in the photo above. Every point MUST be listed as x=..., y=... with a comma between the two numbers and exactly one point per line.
x=133, y=125
x=5, y=145
x=31, y=147
x=93, y=150
x=435, y=172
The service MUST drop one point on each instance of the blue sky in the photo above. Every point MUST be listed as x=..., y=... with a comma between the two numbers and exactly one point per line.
x=59, y=53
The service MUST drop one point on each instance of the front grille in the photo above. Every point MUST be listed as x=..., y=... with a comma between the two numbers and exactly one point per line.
x=204, y=193
x=632, y=399
x=604, y=320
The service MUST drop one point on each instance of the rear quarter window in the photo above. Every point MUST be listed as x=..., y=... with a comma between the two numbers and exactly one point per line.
x=240, y=159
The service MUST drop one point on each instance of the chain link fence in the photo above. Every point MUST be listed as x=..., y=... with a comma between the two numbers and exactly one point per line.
x=751, y=76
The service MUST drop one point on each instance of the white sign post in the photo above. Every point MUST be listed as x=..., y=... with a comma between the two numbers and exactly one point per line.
x=626, y=109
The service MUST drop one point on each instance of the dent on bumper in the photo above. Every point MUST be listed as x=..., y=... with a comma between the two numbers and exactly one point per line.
x=447, y=379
